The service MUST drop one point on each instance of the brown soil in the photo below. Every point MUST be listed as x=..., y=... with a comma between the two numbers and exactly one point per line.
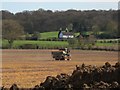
x=27, y=68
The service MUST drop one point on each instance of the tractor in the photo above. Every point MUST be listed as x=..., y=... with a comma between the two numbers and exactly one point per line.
x=61, y=54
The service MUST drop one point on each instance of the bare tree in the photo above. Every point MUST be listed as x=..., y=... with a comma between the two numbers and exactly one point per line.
x=11, y=30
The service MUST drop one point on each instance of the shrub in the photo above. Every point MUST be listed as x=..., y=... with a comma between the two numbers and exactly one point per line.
x=29, y=46
x=5, y=47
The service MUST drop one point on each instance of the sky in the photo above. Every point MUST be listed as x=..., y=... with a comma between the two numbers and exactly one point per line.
x=15, y=7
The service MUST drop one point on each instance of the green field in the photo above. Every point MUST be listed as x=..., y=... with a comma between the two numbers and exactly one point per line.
x=106, y=44
x=56, y=44
x=43, y=44
x=46, y=35
x=50, y=44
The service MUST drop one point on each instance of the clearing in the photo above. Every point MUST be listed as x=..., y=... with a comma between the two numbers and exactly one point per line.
x=28, y=68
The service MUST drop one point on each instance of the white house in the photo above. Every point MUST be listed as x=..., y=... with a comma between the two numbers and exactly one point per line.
x=65, y=35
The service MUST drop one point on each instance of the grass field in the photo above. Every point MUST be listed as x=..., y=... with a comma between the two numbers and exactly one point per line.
x=28, y=68
x=48, y=44
x=52, y=43
x=46, y=35
x=106, y=44
x=55, y=44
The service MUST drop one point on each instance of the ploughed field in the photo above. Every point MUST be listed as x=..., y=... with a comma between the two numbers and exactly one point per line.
x=28, y=68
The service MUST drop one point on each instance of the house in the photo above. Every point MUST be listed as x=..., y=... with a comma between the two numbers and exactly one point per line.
x=65, y=35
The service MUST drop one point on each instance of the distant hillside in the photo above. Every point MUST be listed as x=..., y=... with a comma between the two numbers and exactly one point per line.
x=76, y=20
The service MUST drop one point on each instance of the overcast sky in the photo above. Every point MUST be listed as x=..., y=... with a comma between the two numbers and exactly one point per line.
x=21, y=6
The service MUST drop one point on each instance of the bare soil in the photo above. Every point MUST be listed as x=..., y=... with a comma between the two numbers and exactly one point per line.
x=28, y=68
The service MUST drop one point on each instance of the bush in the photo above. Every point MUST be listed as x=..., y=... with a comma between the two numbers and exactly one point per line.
x=29, y=46
x=73, y=42
x=5, y=47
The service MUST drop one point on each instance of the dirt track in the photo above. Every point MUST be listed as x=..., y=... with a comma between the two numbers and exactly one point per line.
x=27, y=68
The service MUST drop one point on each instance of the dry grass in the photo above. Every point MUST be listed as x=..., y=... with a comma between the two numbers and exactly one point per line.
x=27, y=68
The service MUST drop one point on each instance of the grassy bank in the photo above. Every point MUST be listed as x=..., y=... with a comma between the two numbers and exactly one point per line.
x=19, y=44
x=41, y=44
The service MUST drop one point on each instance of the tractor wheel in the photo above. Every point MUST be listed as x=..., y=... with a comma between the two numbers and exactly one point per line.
x=69, y=59
x=56, y=59
x=62, y=58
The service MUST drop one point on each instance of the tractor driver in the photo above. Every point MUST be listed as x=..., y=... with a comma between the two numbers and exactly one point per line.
x=66, y=52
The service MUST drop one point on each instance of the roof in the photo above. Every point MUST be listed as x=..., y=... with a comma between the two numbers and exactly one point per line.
x=67, y=33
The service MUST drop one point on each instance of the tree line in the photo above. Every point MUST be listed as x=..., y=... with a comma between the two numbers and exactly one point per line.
x=103, y=23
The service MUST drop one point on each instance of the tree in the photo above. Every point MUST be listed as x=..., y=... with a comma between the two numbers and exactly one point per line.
x=96, y=30
x=70, y=27
x=112, y=29
x=7, y=15
x=42, y=20
x=73, y=42
x=11, y=30
x=86, y=42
